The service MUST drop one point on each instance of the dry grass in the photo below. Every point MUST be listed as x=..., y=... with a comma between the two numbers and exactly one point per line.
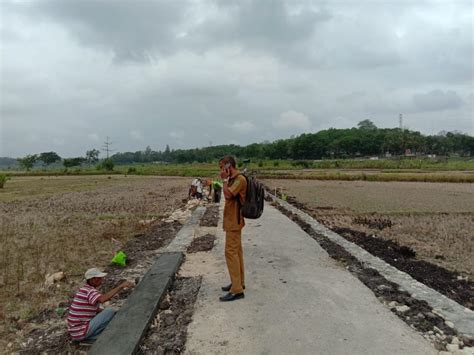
x=68, y=224
x=435, y=219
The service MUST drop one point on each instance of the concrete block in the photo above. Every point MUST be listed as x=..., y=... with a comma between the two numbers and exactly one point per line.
x=127, y=328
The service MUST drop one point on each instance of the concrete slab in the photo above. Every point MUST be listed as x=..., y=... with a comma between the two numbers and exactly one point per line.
x=460, y=316
x=125, y=331
x=298, y=301
x=186, y=234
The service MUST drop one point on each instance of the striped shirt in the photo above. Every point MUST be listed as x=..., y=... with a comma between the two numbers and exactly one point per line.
x=83, y=308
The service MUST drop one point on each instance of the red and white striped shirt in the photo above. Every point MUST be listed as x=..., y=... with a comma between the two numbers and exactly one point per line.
x=83, y=308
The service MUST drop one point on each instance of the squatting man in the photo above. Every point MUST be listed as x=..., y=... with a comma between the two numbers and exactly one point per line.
x=86, y=320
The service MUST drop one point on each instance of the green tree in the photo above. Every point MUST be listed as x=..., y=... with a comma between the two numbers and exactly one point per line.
x=70, y=162
x=92, y=156
x=167, y=154
x=108, y=164
x=28, y=161
x=3, y=180
x=366, y=124
x=49, y=158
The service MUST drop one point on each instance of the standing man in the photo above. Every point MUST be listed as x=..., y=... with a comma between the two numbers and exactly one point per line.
x=235, y=189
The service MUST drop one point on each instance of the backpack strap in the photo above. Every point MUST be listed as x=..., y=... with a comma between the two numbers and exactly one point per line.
x=239, y=203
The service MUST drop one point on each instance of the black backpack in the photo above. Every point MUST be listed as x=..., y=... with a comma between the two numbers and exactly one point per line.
x=252, y=207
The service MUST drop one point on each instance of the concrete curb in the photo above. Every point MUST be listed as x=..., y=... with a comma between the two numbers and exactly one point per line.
x=186, y=234
x=127, y=329
x=460, y=316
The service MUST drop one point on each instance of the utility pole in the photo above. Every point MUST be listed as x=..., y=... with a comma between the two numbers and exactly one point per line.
x=400, y=119
x=107, y=146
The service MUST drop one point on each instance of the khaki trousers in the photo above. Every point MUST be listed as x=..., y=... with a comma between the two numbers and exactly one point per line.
x=234, y=257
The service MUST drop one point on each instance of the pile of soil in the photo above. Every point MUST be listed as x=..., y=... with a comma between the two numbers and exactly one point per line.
x=211, y=216
x=168, y=333
x=449, y=283
x=204, y=243
x=138, y=250
x=419, y=315
x=374, y=223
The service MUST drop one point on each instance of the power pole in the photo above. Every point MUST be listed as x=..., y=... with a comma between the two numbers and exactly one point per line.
x=400, y=119
x=107, y=146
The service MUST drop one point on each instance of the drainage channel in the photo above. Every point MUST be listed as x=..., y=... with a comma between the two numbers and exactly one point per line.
x=455, y=318
x=127, y=329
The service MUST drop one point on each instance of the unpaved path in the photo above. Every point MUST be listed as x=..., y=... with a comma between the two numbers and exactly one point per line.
x=298, y=300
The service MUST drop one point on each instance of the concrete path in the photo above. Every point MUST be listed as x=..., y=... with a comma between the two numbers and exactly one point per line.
x=298, y=301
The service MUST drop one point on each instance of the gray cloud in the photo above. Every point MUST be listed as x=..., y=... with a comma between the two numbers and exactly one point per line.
x=437, y=100
x=185, y=73
x=134, y=31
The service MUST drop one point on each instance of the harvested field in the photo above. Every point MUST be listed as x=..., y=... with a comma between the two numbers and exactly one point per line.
x=436, y=220
x=70, y=224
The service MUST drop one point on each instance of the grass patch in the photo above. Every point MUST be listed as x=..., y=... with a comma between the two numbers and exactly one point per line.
x=407, y=177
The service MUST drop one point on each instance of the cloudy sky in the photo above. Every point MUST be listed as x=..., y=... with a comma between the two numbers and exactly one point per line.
x=193, y=73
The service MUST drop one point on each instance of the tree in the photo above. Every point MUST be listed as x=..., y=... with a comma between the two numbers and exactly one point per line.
x=28, y=161
x=108, y=164
x=366, y=124
x=49, y=158
x=167, y=154
x=3, y=180
x=92, y=156
x=69, y=163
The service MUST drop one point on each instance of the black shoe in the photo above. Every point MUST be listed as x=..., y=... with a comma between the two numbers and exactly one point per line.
x=227, y=288
x=231, y=297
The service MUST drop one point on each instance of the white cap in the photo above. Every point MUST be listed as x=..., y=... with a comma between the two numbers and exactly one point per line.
x=94, y=272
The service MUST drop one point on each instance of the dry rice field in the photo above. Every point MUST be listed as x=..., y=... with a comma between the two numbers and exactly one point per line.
x=435, y=219
x=51, y=224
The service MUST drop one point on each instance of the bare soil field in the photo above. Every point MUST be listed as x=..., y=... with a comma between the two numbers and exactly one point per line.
x=436, y=220
x=68, y=224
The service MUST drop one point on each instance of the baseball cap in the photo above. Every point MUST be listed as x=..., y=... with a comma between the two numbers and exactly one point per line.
x=94, y=272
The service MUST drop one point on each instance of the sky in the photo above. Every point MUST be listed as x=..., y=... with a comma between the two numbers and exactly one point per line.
x=193, y=73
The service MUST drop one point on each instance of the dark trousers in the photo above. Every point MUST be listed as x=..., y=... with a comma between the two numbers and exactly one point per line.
x=217, y=195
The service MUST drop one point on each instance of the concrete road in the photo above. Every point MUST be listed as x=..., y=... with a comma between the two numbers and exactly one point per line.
x=297, y=301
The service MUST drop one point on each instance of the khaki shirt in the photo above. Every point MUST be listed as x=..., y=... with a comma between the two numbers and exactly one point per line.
x=237, y=186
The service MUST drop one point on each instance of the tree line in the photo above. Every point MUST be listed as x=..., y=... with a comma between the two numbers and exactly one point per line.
x=365, y=140
x=46, y=159
x=362, y=141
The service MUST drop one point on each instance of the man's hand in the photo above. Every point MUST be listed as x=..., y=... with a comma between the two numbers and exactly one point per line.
x=126, y=284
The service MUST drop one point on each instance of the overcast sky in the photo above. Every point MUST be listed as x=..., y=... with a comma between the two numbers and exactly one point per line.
x=193, y=73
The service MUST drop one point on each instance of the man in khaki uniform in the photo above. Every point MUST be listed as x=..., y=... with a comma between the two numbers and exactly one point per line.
x=235, y=189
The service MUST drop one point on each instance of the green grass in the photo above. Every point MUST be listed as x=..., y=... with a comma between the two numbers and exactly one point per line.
x=414, y=177
x=389, y=170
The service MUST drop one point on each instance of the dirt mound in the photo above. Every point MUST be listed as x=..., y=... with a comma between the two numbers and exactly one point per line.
x=204, y=243
x=375, y=223
x=211, y=216
x=167, y=335
x=449, y=283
